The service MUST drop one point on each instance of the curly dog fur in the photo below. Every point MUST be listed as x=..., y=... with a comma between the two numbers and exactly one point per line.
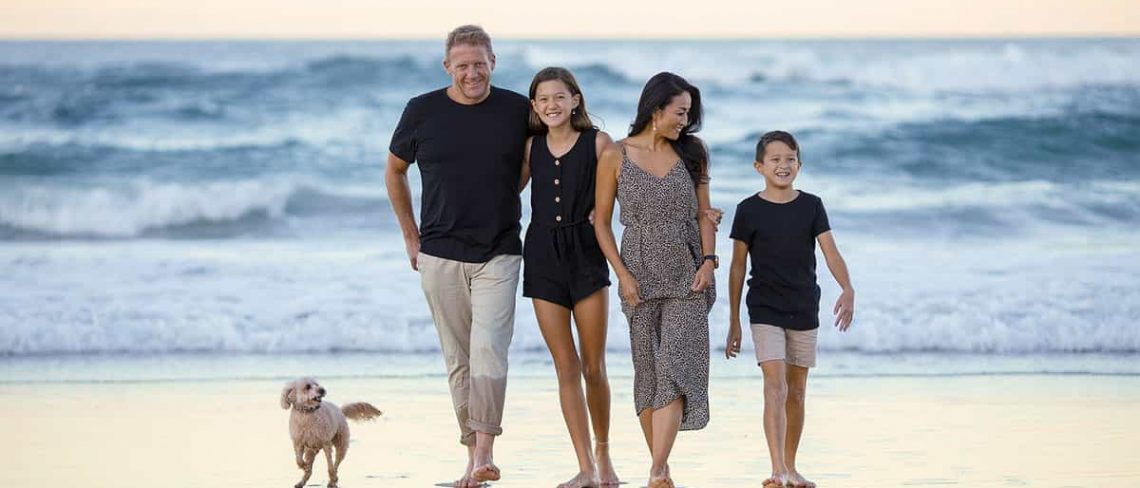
x=316, y=425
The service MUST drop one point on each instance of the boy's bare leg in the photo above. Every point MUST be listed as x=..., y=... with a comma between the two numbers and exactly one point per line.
x=775, y=418
x=797, y=389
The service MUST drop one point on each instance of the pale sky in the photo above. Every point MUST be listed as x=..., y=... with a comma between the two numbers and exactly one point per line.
x=535, y=19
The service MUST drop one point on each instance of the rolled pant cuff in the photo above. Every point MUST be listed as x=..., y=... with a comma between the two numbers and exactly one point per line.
x=467, y=439
x=485, y=428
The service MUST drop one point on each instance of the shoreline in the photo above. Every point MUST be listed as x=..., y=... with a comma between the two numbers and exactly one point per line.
x=220, y=366
x=867, y=431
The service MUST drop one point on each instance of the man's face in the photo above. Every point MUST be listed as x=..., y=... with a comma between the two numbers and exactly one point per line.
x=470, y=68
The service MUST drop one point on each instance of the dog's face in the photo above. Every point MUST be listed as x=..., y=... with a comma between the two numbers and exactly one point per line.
x=304, y=393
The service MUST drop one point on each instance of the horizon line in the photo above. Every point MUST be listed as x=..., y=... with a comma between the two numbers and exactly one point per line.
x=797, y=37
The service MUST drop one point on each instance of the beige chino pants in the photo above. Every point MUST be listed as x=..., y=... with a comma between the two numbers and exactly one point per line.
x=473, y=306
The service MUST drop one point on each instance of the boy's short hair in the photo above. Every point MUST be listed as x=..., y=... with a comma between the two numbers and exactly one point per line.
x=773, y=136
x=469, y=34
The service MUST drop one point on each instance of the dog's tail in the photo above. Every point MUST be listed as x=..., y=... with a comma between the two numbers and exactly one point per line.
x=360, y=411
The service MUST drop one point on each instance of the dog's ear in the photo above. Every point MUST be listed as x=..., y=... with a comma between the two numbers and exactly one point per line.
x=287, y=396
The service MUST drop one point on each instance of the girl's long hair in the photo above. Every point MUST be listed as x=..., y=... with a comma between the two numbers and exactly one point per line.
x=579, y=120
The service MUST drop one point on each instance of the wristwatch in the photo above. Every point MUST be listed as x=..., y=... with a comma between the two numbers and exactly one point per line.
x=713, y=258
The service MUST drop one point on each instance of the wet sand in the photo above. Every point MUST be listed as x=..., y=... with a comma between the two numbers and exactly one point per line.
x=969, y=430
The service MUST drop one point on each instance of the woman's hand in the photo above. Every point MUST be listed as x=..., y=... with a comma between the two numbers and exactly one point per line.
x=704, y=277
x=629, y=290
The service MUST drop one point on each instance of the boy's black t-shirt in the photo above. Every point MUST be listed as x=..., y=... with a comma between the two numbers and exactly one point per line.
x=470, y=158
x=782, y=290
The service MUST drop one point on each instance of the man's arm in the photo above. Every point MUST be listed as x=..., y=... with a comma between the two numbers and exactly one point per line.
x=400, y=195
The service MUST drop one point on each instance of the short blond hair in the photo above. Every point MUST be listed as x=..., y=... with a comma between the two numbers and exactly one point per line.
x=469, y=34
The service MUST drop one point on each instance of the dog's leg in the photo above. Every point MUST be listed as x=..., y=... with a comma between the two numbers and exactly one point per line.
x=310, y=454
x=300, y=450
x=328, y=448
x=341, y=443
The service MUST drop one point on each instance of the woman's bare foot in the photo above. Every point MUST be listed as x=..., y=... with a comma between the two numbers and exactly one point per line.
x=659, y=478
x=606, y=475
x=798, y=481
x=583, y=480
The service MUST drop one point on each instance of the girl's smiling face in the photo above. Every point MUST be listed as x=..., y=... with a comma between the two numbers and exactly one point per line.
x=554, y=103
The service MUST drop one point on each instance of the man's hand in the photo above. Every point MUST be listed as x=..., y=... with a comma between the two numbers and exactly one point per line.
x=412, y=246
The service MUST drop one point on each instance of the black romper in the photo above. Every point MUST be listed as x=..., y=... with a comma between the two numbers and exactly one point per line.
x=562, y=262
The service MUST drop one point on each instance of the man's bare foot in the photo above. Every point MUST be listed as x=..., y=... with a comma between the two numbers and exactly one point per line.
x=798, y=481
x=467, y=481
x=583, y=480
x=606, y=475
x=486, y=472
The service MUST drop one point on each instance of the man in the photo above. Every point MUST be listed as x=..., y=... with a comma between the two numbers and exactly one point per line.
x=468, y=139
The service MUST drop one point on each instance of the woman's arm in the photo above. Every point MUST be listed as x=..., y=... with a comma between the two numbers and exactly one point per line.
x=704, y=276
x=605, y=193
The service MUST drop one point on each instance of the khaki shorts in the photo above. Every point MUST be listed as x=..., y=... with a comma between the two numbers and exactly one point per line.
x=795, y=347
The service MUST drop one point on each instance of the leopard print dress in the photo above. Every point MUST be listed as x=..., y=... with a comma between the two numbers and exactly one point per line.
x=669, y=329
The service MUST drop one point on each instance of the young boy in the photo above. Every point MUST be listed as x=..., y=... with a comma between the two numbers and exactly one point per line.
x=777, y=228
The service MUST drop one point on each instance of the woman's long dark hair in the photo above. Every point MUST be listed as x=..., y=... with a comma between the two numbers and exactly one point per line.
x=658, y=92
x=579, y=119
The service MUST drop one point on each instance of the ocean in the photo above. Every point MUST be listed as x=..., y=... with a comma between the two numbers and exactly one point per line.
x=203, y=201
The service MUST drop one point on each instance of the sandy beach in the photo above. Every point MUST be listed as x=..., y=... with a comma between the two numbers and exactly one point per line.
x=1064, y=430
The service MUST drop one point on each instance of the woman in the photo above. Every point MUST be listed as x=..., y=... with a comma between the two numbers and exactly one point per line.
x=659, y=175
x=564, y=270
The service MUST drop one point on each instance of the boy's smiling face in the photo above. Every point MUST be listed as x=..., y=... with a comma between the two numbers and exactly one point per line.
x=780, y=165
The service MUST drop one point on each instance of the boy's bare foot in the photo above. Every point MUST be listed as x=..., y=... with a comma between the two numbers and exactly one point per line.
x=777, y=480
x=486, y=472
x=606, y=474
x=798, y=481
x=583, y=480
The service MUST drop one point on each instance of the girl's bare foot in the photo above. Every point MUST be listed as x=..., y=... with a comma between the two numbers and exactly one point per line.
x=606, y=475
x=798, y=481
x=583, y=480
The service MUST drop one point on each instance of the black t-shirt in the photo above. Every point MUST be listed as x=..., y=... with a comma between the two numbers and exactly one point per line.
x=781, y=243
x=470, y=157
